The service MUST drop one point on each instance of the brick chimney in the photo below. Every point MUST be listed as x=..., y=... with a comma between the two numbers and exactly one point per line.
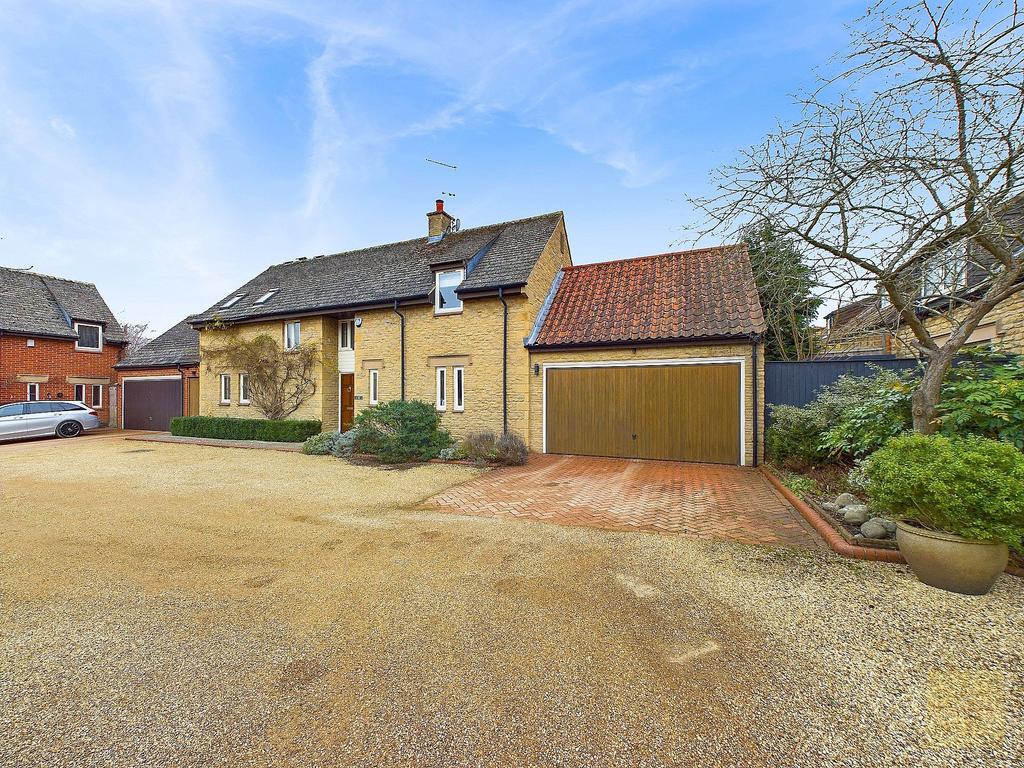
x=439, y=221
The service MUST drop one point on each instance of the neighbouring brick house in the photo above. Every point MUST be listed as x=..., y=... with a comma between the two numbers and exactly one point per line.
x=657, y=357
x=58, y=341
x=160, y=380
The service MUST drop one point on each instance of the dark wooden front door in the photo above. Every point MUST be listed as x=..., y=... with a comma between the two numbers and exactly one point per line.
x=674, y=412
x=348, y=401
x=151, y=404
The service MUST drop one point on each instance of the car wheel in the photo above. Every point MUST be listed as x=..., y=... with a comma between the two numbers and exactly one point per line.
x=69, y=429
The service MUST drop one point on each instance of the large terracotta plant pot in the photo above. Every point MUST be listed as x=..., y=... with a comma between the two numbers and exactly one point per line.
x=951, y=562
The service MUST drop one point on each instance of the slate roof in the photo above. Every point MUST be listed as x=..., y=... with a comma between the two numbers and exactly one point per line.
x=704, y=293
x=31, y=303
x=178, y=345
x=500, y=256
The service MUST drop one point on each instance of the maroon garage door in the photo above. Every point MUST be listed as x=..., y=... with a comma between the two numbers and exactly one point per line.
x=151, y=404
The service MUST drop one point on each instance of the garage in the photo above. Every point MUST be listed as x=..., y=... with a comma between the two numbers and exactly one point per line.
x=683, y=410
x=151, y=403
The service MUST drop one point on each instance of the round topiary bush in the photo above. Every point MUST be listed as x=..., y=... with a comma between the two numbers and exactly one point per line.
x=972, y=487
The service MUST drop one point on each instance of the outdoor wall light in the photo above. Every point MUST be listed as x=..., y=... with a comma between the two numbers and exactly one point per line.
x=536, y=369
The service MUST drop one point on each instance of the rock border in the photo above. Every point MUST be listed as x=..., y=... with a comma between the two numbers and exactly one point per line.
x=832, y=537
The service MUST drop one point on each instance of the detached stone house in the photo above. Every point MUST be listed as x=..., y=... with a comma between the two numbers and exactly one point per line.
x=58, y=341
x=658, y=357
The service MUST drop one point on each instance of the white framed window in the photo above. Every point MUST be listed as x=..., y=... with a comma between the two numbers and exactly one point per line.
x=243, y=389
x=374, y=386
x=32, y=392
x=97, y=396
x=90, y=337
x=266, y=296
x=232, y=301
x=80, y=393
x=292, y=334
x=446, y=300
x=346, y=335
x=225, y=389
x=459, y=389
x=441, y=398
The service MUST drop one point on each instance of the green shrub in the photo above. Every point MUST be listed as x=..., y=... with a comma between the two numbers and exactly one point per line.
x=480, y=447
x=345, y=444
x=400, y=431
x=863, y=412
x=510, y=449
x=971, y=486
x=322, y=444
x=981, y=398
x=794, y=437
x=226, y=428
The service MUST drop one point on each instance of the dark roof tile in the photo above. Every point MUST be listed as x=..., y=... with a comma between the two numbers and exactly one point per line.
x=31, y=303
x=178, y=345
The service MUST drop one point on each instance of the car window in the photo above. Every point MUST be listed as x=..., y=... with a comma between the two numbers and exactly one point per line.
x=73, y=407
x=41, y=407
x=12, y=410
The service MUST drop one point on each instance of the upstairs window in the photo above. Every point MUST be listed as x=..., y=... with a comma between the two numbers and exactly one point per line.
x=234, y=300
x=346, y=335
x=266, y=297
x=90, y=337
x=292, y=335
x=446, y=300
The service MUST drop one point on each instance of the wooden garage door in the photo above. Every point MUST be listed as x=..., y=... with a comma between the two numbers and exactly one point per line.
x=151, y=404
x=675, y=412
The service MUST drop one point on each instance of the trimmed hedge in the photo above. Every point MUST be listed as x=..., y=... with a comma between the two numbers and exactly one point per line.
x=225, y=428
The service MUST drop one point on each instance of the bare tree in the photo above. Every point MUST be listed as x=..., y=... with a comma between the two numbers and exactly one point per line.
x=279, y=380
x=136, y=335
x=905, y=164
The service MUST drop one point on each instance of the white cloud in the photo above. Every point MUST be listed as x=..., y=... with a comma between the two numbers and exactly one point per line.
x=62, y=127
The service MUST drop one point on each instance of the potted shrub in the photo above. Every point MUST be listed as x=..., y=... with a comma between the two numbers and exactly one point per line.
x=958, y=503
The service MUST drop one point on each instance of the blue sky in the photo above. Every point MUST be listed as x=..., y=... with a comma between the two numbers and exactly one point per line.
x=168, y=151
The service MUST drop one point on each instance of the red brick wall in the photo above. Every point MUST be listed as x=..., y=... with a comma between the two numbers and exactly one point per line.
x=189, y=372
x=58, y=359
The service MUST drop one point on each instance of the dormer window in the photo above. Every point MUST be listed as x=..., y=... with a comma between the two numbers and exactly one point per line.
x=266, y=297
x=446, y=300
x=90, y=337
x=233, y=300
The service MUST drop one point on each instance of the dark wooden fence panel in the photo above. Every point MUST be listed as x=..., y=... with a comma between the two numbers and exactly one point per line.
x=799, y=383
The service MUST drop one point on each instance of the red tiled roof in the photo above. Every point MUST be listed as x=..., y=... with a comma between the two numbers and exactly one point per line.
x=708, y=292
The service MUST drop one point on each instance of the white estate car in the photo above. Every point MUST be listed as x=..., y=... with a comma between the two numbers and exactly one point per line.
x=38, y=418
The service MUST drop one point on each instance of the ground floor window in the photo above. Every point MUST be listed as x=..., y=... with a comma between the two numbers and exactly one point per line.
x=373, y=387
x=33, y=392
x=243, y=389
x=460, y=388
x=80, y=393
x=441, y=399
x=225, y=389
x=97, y=396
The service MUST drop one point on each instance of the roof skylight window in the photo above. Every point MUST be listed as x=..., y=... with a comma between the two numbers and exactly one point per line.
x=232, y=301
x=266, y=296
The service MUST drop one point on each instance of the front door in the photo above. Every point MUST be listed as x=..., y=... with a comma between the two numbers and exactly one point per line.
x=347, y=396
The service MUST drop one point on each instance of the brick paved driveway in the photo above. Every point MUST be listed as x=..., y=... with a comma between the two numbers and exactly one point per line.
x=699, y=500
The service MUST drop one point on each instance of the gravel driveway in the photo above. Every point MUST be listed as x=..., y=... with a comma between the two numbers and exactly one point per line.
x=168, y=605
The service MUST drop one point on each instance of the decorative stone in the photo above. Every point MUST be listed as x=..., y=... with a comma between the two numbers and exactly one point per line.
x=856, y=514
x=890, y=525
x=828, y=506
x=875, y=529
x=846, y=499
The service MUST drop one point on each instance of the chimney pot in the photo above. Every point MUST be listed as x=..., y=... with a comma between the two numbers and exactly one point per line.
x=440, y=205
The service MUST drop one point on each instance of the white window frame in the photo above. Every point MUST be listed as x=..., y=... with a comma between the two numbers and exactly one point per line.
x=243, y=386
x=347, y=328
x=374, y=386
x=459, y=389
x=29, y=389
x=440, y=393
x=232, y=301
x=437, y=292
x=298, y=335
x=99, y=337
x=82, y=398
x=95, y=402
x=266, y=296
x=225, y=389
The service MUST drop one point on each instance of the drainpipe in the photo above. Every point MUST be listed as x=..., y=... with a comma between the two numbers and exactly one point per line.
x=504, y=360
x=753, y=355
x=402, y=317
x=184, y=387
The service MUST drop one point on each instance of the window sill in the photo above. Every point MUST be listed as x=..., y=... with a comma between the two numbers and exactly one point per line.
x=244, y=403
x=89, y=350
x=445, y=312
x=227, y=404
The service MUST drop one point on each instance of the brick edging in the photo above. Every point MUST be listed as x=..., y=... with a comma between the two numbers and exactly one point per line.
x=836, y=542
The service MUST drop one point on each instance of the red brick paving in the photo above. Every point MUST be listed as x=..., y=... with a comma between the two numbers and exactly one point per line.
x=699, y=500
